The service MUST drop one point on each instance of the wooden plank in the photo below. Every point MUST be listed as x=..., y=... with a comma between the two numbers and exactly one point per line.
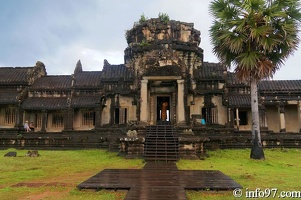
x=159, y=181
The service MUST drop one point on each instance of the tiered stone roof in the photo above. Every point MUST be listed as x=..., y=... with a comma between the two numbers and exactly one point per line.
x=280, y=86
x=9, y=96
x=60, y=82
x=210, y=71
x=85, y=101
x=11, y=77
x=43, y=103
x=239, y=101
x=116, y=73
x=14, y=82
x=14, y=75
x=87, y=79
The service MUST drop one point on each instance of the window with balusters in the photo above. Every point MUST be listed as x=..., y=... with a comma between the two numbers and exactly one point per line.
x=88, y=118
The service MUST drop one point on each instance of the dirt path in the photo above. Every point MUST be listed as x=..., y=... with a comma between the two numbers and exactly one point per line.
x=52, y=188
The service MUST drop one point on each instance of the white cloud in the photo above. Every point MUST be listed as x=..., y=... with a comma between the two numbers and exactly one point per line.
x=65, y=59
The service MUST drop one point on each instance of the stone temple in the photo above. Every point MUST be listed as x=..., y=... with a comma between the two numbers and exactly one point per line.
x=163, y=91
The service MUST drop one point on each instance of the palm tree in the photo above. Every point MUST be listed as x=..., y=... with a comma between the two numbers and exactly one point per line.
x=254, y=37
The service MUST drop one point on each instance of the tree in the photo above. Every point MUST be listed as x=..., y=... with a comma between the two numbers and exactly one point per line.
x=254, y=37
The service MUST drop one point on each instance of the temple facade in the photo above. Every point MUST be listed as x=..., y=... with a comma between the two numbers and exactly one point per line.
x=163, y=80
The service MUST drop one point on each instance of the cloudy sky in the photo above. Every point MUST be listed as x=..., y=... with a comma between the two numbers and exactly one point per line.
x=60, y=32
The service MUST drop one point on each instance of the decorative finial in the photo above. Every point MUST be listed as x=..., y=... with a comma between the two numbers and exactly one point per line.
x=78, y=67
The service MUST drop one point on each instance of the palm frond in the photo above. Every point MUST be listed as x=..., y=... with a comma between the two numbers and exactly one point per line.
x=261, y=36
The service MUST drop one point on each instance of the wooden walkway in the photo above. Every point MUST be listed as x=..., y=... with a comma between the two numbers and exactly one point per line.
x=159, y=181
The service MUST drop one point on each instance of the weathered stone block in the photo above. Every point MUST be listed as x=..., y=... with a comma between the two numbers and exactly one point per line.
x=11, y=154
x=32, y=154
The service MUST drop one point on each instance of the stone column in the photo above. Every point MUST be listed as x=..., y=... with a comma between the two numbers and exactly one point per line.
x=282, y=118
x=112, y=110
x=152, y=109
x=44, y=121
x=173, y=116
x=98, y=116
x=230, y=117
x=299, y=115
x=237, y=118
x=68, y=119
x=180, y=107
x=143, y=101
x=19, y=116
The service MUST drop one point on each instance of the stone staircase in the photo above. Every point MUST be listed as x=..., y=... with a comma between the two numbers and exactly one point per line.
x=161, y=143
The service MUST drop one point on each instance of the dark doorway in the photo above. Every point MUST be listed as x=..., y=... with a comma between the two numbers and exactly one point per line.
x=243, y=117
x=120, y=116
x=163, y=109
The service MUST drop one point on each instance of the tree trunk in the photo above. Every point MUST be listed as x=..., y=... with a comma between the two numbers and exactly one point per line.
x=256, y=151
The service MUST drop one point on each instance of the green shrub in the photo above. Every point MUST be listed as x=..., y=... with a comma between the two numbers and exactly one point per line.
x=163, y=17
x=142, y=19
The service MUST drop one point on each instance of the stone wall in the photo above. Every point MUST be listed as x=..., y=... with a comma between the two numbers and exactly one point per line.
x=291, y=118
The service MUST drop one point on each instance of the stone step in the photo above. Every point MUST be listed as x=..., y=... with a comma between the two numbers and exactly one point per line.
x=161, y=143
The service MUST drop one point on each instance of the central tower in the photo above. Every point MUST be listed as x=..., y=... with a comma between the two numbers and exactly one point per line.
x=163, y=55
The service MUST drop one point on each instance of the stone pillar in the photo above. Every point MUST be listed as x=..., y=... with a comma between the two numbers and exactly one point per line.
x=44, y=121
x=237, y=119
x=112, y=110
x=152, y=109
x=98, y=116
x=173, y=116
x=19, y=117
x=282, y=118
x=143, y=101
x=299, y=115
x=180, y=107
x=230, y=117
x=68, y=119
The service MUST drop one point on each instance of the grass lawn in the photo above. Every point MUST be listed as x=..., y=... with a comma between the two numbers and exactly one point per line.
x=55, y=174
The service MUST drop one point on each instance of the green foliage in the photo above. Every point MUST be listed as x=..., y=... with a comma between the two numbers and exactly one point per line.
x=163, y=17
x=266, y=29
x=144, y=43
x=142, y=19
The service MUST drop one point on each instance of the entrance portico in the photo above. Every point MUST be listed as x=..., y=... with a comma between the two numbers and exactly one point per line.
x=158, y=92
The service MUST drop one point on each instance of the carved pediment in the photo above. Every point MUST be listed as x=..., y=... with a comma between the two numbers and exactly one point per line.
x=161, y=58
